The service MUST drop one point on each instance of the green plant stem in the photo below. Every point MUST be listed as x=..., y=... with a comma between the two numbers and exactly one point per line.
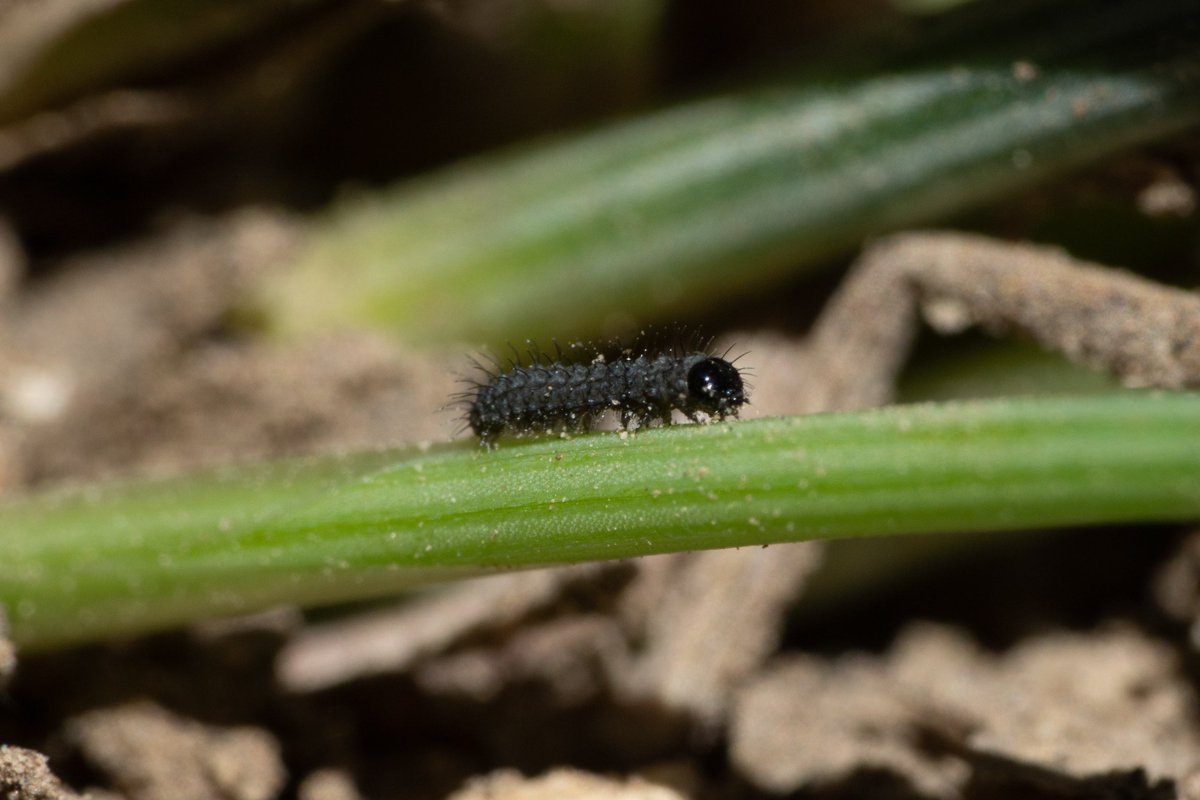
x=141, y=557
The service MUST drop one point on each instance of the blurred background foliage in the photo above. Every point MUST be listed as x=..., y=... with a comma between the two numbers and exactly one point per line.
x=609, y=164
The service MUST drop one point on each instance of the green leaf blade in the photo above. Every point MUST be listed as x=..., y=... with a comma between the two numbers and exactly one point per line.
x=159, y=555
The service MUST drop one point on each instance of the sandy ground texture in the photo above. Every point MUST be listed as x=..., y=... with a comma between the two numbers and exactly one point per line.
x=683, y=676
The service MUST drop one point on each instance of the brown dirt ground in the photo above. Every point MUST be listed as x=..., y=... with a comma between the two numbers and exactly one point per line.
x=1056, y=666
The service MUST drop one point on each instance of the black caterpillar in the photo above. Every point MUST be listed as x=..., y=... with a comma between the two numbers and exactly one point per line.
x=549, y=395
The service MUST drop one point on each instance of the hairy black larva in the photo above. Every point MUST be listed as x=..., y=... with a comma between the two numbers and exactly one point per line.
x=548, y=394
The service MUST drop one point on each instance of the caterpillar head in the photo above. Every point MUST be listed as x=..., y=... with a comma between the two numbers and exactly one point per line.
x=715, y=386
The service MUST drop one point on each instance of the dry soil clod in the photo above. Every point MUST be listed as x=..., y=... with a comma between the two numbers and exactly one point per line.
x=1143, y=332
x=25, y=775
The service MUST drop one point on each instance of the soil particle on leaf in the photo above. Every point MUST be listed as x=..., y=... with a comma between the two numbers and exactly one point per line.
x=561, y=784
x=25, y=775
x=150, y=753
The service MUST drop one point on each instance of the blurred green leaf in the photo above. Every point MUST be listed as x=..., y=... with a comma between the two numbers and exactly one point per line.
x=51, y=53
x=682, y=209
